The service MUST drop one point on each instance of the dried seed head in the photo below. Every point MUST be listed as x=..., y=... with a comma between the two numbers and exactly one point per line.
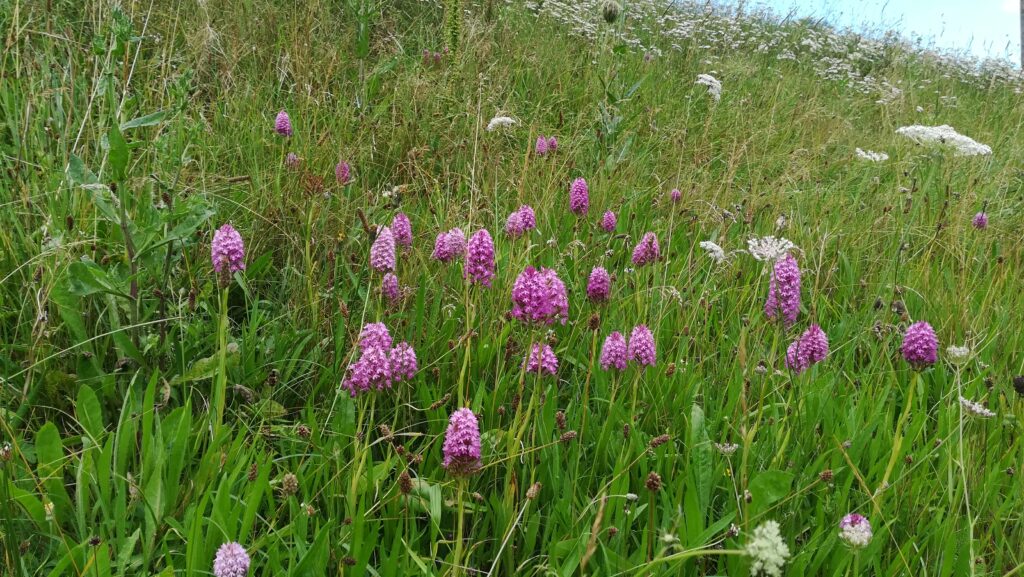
x=272, y=378
x=440, y=402
x=670, y=369
x=533, y=491
x=385, y=433
x=568, y=436
x=405, y=483
x=254, y=472
x=826, y=475
x=560, y=420
x=1018, y=384
x=303, y=431
x=659, y=441
x=289, y=485
x=595, y=322
x=653, y=482
x=625, y=430
x=612, y=532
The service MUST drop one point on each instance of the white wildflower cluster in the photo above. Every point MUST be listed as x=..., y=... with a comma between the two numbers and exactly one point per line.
x=714, y=86
x=958, y=354
x=769, y=248
x=871, y=155
x=714, y=251
x=945, y=135
x=726, y=449
x=976, y=409
x=768, y=550
x=499, y=122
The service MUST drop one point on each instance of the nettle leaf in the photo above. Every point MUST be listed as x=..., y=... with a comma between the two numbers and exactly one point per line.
x=87, y=278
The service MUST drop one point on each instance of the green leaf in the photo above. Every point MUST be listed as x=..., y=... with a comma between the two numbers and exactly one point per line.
x=314, y=562
x=87, y=278
x=770, y=486
x=104, y=201
x=89, y=414
x=78, y=173
x=118, y=154
x=150, y=119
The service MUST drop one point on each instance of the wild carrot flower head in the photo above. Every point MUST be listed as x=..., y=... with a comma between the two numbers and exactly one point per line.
x=449, y=245
x=401, y=228
x=641, y=346
x=480, y=258
x=810, y=348
x=343, y=172
x=231, y=561
x=608, y=221
x=855, y=531
x=541, y=147
x=975, y=409
x=920, y=345
x=389, y=287
x=462, y=443
x=579, y=197
x=600, y=284
x=283, y=124
x=980, y=220
x=382, y=253
x=646, y=251
x=542, y=360
x=769, y=248
x=784, y=291
x=374, y=335
x=403, y=362
x=539, y=296
x=613, y=352
x=767, y=549
x=227, y=251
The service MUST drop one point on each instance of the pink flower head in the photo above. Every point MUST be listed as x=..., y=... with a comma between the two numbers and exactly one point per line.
x=614, y=352
x=980, y=220
x=227, y=251
x=371, y=371
x=382, y=253
x=542, y=146
x=784, y=291
x=542, y=360
x=920, y=345
x=462, y=443
x=283, y=124
x=449, y=245
x=552, y=144
x=480, y=258
x=676, y=195
x=855, y=531
x=374, y=335
x=514, y=225
x=389, y=287
x=403, y=362
x=401, y=228
x=600, y=285
x=641, y=346
x=292, y=161
x=527, y=217
x=646, y=251
x=579, y=197
x=343, y=172
x=231, y=561
x=810, y=348
x=608, y=221
x=538, y=296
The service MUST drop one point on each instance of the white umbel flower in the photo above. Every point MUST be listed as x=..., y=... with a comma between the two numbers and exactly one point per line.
x=958, y=354
x=714, y=251
x=871, y=155
x=714, y=86
x=768, y=550
x=976, y=409
x=769, y=248
x=500, y=121
x=945, y=134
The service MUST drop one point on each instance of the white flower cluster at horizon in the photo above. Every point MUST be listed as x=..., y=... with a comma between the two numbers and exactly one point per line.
x=871, y=155
x=945, y=135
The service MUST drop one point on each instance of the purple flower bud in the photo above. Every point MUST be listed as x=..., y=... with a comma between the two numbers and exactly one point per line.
x=676, y=195
x=641, y=346
x=283, y=124
x=579, y=197
x=599, y=286
x=608, y=221
x=614, y=352
x=382, y=253
x=480, y=259
x=980, y=220
x=462, y=443
x=646, y=251
x=552, y=144
x=542, y=146
x=389, y=288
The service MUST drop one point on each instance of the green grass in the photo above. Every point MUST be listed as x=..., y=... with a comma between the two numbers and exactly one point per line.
x=129, y=136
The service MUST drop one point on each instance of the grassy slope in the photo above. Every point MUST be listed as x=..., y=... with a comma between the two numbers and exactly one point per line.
x=780, y=142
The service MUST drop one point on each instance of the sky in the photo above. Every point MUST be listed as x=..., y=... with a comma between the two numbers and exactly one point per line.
x=980, y=27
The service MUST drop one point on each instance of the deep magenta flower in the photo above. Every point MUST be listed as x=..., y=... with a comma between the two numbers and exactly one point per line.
x=784, y=291
x=527, y=217
x=389, y=287
x=343, y=172
x=382, y=253
x=231, y=561
x=614, y=352
x=449, y=245
x=401, y=228
x=374, y=335
x=541, y=147
x=403, y=362
x=542, y=360
x=462, y=443
x=920, y=345
x=810, y=348
x=552, y=144
x=579, y=197
x=538, y=296
x=641, y=346
x=646, y=251
x=608, y=221
x=980, y=220
x=600, y=285
x=283, y=124
x=227, y=251
x=480, y=258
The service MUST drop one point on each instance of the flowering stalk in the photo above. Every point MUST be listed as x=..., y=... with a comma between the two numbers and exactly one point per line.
x=457, y=562
x=586, y=384
x=898, y=435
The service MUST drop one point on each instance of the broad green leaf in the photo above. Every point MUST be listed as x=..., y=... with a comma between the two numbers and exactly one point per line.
x=150, y=119
x=118, y=155
x=770, y=486
x=87, y=409
x=314, y=562
x=87, y=278
x=78, y=173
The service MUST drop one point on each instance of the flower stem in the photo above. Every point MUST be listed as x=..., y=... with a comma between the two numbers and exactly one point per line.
x=220, y=385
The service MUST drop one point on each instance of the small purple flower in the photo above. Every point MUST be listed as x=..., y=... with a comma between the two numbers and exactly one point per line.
x=292, y=161
x=579, y=197
x=227, y=251
x=480, y=258
x=462, y=443
x=542, y=360
x=641, y=346
x=374, y=335
x=389, y=288
x=646, y=251
x=343, y=172
x=542, y=146
x=449, y=245
x=231, y=561
x=980, y=220
x=521, y=221
x=401, y=228
x=528, y=218
x=283, y=124
x=784, y=291
x=920, y=345
x=614, y=352
x=403, y=362
x=810, y=348
x=552, y=144
x=608, y=221
x=599, y=285
x=676, y=195
x=382, y=253
x=538, y=296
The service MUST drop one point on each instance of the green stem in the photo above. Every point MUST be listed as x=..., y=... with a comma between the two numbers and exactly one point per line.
x=220, y=386
x=457, y=562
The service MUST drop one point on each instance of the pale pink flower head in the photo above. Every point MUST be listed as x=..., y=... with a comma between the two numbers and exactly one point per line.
x=980, y=220
x=784, y=291
x=599, y=285
x=449, y=245
x=552, y=144
x=614, y=352
x=403, y=362
x=920, y=345
x=283, y=124
x=542, y=360
x=374, y=335
x=855, y=531
x=389, y=288
x=462, y=443
x=521, y=221
x=641, y=346
x=231, y=561
x=541, y=147
x=579, y=197
x=292, y=161
x=676, y=195
x=539, y=296
x=646, y=251
x=227, y=251
x=343, y=172
x=810, y=348
x=382, y=253
x=608, y=221
x=480, y=258
x=401, y=228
